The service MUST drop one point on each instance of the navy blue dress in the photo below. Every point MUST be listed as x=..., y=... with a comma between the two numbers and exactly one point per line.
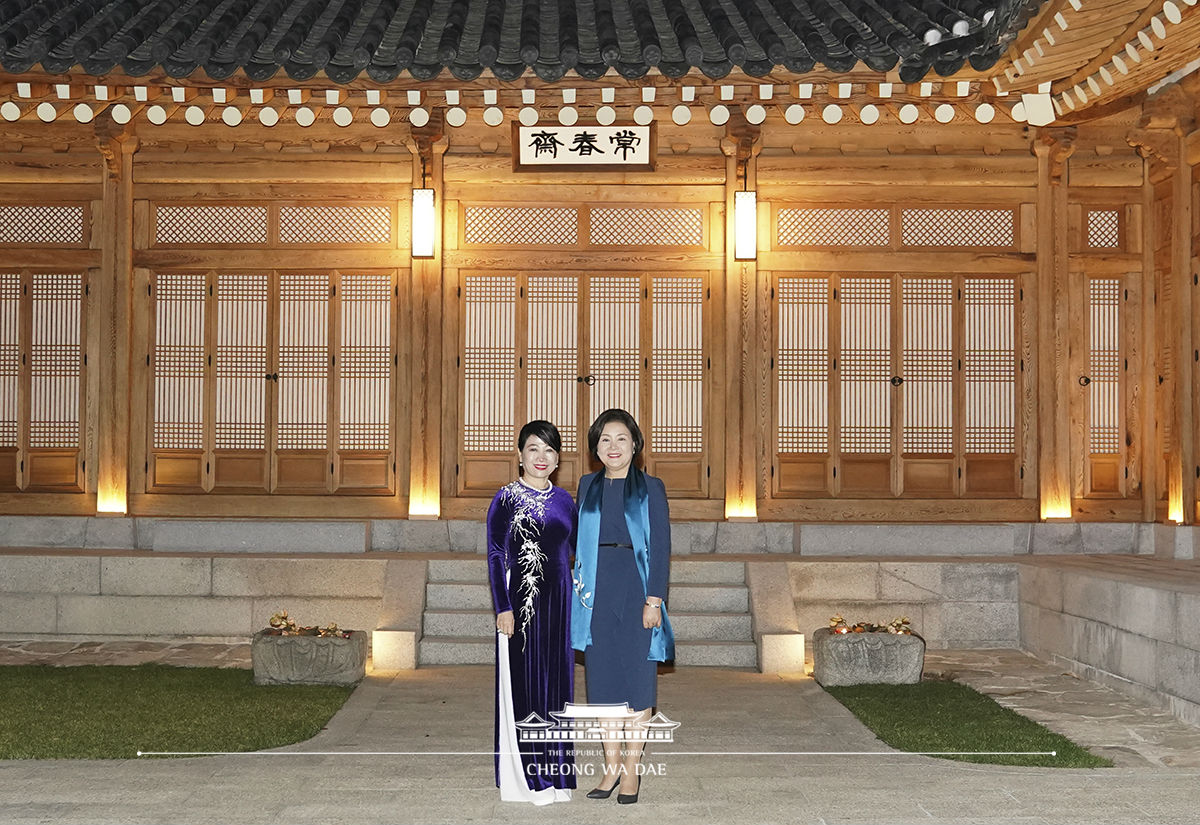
x=617, y=668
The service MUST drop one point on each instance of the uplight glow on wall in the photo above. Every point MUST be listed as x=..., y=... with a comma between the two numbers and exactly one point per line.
x=1053, y=509
x=741, y=509
x=424, y=504
x=423, y=221
x=745, y=225
x=111, y=502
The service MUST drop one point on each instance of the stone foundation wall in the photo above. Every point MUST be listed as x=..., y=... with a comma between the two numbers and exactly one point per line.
x=1140, y=639
x=951, y=604
x=206, y=598
x=773, y=538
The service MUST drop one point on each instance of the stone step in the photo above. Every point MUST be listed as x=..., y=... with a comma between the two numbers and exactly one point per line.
x=716, y=654
x=708, y=572
x=457, y=596
x=458, y=570
x=456, y=650
x=711, y=626
x=464, y=623
x=686, y=597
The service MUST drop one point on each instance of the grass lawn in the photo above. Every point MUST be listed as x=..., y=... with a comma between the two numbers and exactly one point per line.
x=114, y=712
x=949, y=716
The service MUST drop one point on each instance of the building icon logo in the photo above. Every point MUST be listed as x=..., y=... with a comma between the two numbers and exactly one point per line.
x=595, y=723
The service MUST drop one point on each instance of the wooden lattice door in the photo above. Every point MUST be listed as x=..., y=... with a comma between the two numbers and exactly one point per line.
x=565, y=347
x=42, y=364
x=272, y=382
x=1100, y=405
x=896, y=385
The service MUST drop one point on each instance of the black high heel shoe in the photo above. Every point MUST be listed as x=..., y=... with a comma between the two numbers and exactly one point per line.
x=629, y=798
x=600, y=793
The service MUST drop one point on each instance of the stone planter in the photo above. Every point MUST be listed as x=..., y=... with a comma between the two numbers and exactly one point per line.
x=309, y=660
x=867, y=658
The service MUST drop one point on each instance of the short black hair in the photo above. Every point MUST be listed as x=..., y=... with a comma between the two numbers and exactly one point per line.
x=544, y=430
x=621, y=417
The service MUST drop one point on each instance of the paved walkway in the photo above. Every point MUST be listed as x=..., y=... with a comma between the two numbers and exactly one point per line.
x=415, y=747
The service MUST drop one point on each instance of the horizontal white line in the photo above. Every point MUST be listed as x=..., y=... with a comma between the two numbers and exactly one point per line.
x=656, y=753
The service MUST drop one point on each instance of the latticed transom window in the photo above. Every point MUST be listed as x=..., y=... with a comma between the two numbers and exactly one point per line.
x=64, y=225
x=834, y=227
x=646, y=226
x=337, y=225
x=188, y=225
x=1104, y=228
x=521, y=226
x=958, y=227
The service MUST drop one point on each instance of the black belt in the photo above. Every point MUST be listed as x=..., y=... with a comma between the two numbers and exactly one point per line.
x=613, y=544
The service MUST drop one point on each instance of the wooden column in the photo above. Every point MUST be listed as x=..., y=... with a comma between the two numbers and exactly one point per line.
x=426, y=402
x=1191, y=179
x=742, y=328
x=111, y=302
x=1162, y=143
x=1053, y=147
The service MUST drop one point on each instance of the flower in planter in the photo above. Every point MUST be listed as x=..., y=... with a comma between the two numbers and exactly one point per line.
x=282, y=625
x=900, y=625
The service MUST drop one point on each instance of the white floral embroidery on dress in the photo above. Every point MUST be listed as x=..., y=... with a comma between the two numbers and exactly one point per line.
x=529, y=514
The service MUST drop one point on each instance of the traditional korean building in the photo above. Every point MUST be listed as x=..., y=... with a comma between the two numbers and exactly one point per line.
x=930, y=262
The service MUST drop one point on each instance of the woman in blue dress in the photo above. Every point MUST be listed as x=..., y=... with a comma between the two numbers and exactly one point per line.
x=619, y=618
x=530, y=533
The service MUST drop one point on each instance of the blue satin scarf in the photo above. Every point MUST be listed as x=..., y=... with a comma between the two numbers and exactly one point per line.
x=637, y=519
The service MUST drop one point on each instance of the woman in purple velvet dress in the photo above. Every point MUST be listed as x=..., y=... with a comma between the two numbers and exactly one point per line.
x=531, y=535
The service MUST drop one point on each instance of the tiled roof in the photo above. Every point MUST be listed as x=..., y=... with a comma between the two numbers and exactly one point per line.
x=551, y=38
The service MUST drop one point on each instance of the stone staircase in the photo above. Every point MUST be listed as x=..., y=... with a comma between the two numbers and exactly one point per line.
x=709, y=603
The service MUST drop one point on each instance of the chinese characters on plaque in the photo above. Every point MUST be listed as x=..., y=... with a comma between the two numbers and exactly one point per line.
x=595, y=147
